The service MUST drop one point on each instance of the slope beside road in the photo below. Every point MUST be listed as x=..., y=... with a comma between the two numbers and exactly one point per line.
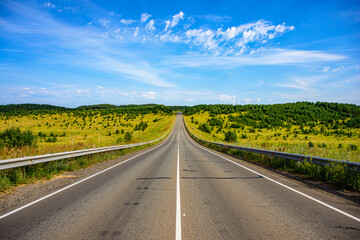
x=182, y=190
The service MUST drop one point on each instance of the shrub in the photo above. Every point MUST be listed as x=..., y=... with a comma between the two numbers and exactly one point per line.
x=205, y=128
x=353, y=147
x=311, y=145
x=128, y=136
x=14, y=137
x=230, y=136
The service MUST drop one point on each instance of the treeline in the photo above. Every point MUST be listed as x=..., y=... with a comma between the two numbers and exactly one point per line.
x=333, y=115
x=82, y=111
x=14, y=108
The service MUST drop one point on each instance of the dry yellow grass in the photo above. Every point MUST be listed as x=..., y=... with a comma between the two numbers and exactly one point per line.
x=266, y=139
x=76, y=132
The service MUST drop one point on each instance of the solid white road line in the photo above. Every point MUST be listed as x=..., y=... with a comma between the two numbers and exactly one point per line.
x=82, y=180
x=178, y=205
x=281, y=184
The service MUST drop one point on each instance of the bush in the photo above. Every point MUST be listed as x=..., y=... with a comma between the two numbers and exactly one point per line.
x=311, y=144
x=353, y=147
x=51, y=139
x=230, y=136
x=205, y=128
x=14, y=137
x=128, y=136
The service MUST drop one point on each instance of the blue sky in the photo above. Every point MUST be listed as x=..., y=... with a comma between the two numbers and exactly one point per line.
x=71, y=53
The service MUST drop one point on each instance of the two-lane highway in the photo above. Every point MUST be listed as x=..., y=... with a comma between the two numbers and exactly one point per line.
x=182, y=190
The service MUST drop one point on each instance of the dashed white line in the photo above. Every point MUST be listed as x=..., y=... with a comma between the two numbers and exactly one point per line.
x=178, y=205
x=281, y=184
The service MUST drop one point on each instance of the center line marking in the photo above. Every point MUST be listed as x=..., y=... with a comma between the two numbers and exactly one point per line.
x=178, y=205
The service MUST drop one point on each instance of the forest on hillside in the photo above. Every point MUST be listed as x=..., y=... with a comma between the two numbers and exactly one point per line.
x=86, y=110
x=334, y=116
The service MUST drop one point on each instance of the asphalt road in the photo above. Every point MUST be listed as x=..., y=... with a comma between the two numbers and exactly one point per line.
x=181, y=190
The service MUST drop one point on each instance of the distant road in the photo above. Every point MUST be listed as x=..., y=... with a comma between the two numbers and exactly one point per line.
x=181, y=190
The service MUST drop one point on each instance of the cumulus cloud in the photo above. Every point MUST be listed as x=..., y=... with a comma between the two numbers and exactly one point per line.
x=150, y=26
x=233, y=40
x=167, y=25
x=200, y=37
x=227, y=98
x=148, y=95
x=127, y=21
x=144, y=17
x=175, y=20
x=247, y=100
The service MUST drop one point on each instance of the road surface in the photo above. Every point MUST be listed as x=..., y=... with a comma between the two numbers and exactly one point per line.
x=179, y=190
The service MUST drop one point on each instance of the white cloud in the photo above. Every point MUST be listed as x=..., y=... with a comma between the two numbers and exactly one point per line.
x=127, y=21
x=267, y=57
x=144, y=17
x=167, y=22
x=234, y=40
x=176, y=19
x=136, y=32
x=302, y=83
x=148, y=95
x=138, y=72
x=200, y=37
x=247, y=100
x=258, y=99
x=227, y=98
x=326, y=69
x=150, y=25
x=49, y=5
x=105, y=22
x=215, y=18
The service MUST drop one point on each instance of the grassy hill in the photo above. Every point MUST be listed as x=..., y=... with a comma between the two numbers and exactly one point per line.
x=319, y=129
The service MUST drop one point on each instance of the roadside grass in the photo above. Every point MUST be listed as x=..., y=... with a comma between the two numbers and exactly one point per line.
x=75, y=132
x=34, y=173
x=281, y=139
x=337, y=174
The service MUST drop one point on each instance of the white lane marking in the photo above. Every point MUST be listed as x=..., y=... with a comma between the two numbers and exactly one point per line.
x=178, y=205
x=82, y=180
x=281, y=184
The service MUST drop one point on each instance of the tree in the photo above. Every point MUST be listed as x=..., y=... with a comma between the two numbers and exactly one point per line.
x=14, y=137
x=128, y=136
x=230, y=136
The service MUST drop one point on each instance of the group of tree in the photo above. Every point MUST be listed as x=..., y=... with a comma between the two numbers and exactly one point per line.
x=83, y=111
x=141, y=126
x=307, y=115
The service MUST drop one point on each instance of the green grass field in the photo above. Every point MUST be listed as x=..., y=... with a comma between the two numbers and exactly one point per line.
x=281, y=139
x=73, y=132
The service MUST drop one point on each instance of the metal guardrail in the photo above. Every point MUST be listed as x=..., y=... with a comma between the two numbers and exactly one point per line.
x=352, y=166
x=26, y=161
